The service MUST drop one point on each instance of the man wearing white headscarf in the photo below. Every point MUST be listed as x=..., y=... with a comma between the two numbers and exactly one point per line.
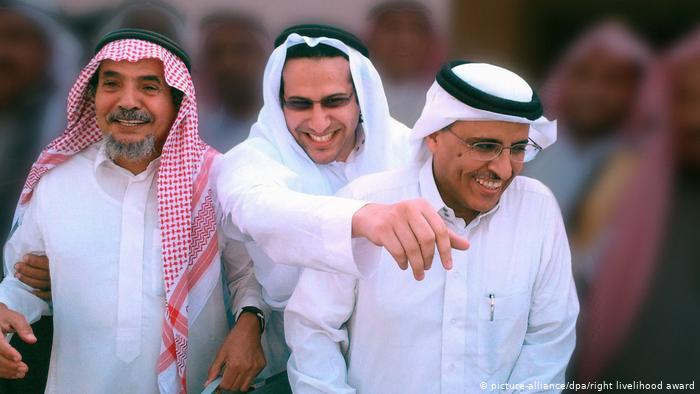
x=325, y=121
x=503, y=318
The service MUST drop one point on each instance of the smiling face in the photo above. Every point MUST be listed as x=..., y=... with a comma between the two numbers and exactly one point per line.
x=467, y=185
x=326, y=134
x=133, y=103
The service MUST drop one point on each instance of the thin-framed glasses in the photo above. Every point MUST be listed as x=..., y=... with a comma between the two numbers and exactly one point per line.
x=488, y=150
x=303, y=104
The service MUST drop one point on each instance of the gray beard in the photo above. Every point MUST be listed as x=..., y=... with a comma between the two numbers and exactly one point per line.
x=134, y=151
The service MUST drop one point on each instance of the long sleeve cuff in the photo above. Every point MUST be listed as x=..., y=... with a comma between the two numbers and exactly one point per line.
x=357, y=257
x=16, y=297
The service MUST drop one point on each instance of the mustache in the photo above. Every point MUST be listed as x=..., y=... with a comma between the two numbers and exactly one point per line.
x=122, y=114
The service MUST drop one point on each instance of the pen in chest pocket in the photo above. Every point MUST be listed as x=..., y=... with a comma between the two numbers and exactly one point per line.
x=492, y=304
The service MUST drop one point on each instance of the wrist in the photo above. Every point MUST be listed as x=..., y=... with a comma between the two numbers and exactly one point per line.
x=359, y=219
x=252, y=315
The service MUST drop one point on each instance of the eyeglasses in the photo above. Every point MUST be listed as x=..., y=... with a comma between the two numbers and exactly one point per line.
x=302, y=104
x=487, y=151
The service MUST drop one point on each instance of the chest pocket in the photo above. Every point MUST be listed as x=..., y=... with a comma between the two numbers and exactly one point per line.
x=502, y=324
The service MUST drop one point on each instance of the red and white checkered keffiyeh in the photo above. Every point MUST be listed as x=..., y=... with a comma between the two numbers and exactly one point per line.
x=185, y=200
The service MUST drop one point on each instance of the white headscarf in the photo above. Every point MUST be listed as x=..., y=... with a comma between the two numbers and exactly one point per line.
x=386, y=139
x=442, y=109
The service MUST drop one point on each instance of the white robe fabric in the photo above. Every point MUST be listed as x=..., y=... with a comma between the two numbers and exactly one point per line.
x=280, y=202
x=98, y=225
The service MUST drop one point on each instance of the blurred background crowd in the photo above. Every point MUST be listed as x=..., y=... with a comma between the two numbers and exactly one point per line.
x=622, y=78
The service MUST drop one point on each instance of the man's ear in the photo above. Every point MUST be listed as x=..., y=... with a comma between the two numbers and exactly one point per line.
x=432, y=142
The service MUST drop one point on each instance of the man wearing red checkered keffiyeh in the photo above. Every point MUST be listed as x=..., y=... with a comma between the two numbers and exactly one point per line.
x=132, y=158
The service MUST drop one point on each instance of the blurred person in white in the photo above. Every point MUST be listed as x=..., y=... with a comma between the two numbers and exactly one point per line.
x=140, y=309
x=38, y=59
x=505, y=313
x=324, y=122
x=407, y=50
x=639, y=319
x=593, y=92
x=233, y=49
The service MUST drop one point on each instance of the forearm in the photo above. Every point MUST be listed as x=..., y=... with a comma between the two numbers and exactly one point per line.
x=249, y=295
x=20, y=298
x=15, y=294
x=244, y=289
x=309, y=373
x=290, y=227
x=315, y=331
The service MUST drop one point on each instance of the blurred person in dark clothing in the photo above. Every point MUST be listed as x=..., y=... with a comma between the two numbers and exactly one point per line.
x=593, y=92
x=407, y=49
x=154, y=15
x=233, y=50
x=38, y=58
x=641, y=321
x=91, y=22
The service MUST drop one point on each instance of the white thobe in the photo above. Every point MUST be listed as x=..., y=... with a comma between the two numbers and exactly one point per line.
x=505, y=313
x=98, y=224
x=285, y=230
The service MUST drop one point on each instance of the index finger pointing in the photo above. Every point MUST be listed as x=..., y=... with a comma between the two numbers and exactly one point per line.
x=442, y=237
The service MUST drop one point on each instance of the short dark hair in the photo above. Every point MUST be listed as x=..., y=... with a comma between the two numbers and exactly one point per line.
x=301, y=51
x=91, y=90
x=320, y=51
